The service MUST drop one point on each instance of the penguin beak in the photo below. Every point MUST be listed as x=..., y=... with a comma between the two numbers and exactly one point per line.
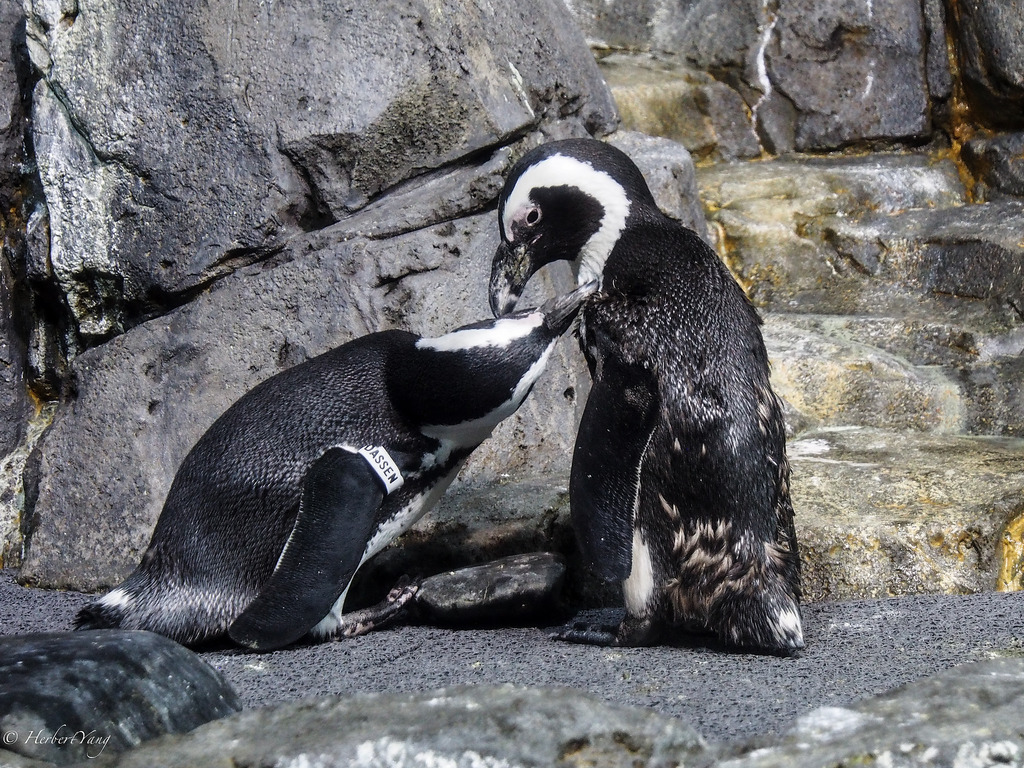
x=560, y=311
x=510, y=271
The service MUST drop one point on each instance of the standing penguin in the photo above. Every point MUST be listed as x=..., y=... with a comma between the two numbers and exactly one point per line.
x=680, y=482
x=314, y=471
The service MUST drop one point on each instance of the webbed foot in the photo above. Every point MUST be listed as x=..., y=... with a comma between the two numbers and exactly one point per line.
x=631, y=632
x=586, y=634
x=391, y=609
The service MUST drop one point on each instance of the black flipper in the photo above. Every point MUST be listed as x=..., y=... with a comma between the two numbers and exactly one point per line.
x=610, y=445
x=340, y=498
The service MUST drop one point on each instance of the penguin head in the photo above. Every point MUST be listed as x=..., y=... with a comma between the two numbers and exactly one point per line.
x=566, y=200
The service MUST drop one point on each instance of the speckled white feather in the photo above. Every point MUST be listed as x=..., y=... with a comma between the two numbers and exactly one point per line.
x=116, y=598
x=638, y=588
x=789, y=628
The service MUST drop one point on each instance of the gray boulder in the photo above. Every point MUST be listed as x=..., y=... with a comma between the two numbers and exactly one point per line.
x=941, y=368
x=852, y=71
x=15, y=202
x=520, y=589
x=815, y=74
x=884, y=513
x=657, y=95
x=989, y=37
x=940, y=75
x=14, y=403
x=878, y=512
x=967, y=716
x=255, y=126
x=71, y=697
x=712, y=35
x=785, y=227
x=668, y=169
x=830, y=378
x=484, y=725
x=998, y=165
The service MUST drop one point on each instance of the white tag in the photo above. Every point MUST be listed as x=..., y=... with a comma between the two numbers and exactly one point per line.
x=385, y=467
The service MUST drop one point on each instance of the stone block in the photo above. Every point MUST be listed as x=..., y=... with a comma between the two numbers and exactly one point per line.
x=989, y=37
x=966, y=716
x=484, y=725
x=882, y=513
x=957, y=372
x=15, y=406
x=815, y=74
x=998, y=165
x=659, y=97
x=669, y=171
x=711, y=34
x=767, y=221
x=833, y=381
x=853, y=71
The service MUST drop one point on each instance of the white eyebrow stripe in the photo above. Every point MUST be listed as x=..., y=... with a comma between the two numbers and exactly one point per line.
x=561, y=170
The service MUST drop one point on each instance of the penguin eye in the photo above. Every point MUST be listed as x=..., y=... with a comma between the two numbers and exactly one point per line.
x=532, y=216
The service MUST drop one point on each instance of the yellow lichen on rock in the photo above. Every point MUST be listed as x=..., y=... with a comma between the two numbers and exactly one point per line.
x=1010, y=556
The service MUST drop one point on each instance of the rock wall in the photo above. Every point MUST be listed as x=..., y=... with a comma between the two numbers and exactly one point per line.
x=196, y=197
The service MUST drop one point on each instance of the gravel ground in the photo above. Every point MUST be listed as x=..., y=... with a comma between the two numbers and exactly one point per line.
x=854, y=650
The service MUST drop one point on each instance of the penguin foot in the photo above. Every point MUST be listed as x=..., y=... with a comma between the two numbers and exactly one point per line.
x=395, y=606
x=587, y=634
x=631, y=632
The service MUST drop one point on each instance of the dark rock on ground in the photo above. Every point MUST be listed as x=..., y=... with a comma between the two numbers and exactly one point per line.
x=476, y=524
x=69, y=697
x=520, y=589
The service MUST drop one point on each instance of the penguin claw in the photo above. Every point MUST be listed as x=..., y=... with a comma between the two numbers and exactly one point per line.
x=393, y=608
x=404, y=591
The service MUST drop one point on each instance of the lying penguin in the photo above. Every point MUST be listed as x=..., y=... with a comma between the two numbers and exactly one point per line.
x=317, y=469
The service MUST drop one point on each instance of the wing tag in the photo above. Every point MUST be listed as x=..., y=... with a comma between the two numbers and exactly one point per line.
x=385, y=467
